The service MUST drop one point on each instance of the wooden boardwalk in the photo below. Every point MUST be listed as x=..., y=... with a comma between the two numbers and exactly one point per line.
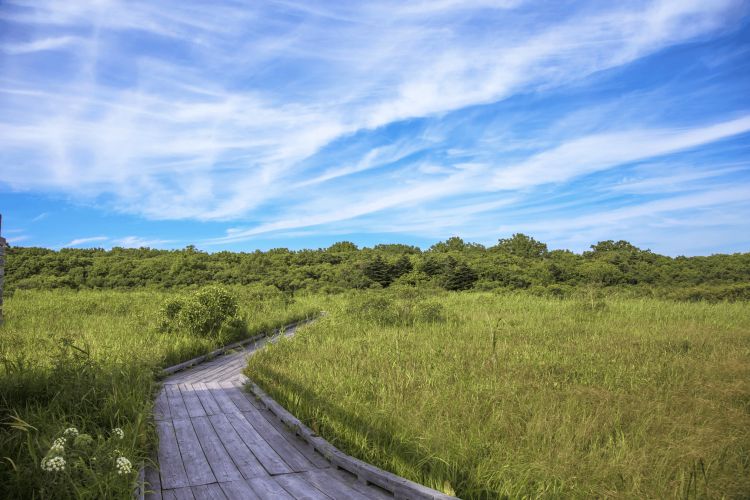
x=217, y=442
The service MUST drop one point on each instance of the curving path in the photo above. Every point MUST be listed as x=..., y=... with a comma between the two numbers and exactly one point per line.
x=217, y=442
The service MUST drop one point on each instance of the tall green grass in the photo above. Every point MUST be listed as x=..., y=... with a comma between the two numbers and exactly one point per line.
x=90, y=360
x=521, y=396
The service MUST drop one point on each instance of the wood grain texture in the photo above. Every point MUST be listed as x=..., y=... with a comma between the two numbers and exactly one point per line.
x=196, y=466
x=172, y=470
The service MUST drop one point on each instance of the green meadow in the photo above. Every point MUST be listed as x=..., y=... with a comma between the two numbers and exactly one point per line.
x=516, y=396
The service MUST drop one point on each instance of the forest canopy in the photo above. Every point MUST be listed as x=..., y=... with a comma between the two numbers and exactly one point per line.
x=516, y=263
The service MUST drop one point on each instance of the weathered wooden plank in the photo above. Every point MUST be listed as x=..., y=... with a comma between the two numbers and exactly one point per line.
x=192, y=403
x=266, y=487
x=208, y=492
x=239, y=490
x=207, y=400
x=213, y=368
x=332, y=486
x=221, y=463
x=209, y=364
x=227, y=370
x=195, y=374
x=195, y=463
x=299, y=488
x=176, y=404
x=161, y=406
x=263, y=451
x=171, y=469
x=294, y=459
x=241, y=455
x=370, y=491
x=152, y=486
x=300, y=444
x=238, y=396
x=178, y=494
x=222, y=398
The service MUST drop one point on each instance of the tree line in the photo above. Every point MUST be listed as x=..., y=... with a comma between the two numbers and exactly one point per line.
x=516, y=263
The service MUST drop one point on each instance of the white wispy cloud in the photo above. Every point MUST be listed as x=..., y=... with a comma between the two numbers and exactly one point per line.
x=82, y=241
x=608, y=218
x=139, y=242
x=39, y=45
x=601, y=151
x=18, y=239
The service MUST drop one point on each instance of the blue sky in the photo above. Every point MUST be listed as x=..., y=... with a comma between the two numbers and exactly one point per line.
x=244, y=125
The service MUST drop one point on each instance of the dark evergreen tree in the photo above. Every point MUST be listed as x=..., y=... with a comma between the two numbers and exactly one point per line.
x=402, y=266
x=460, y=277
x=431, y=266
x=378, y=271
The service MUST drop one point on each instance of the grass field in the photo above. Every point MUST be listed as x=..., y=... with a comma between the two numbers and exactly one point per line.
x=490, y=395
x=89, y=360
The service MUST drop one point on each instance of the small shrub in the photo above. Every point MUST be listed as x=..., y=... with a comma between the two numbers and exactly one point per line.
x=202, y=313
x=429, y=312
x=401, y=308
x=376, y=309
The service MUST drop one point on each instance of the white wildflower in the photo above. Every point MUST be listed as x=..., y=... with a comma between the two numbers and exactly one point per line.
x=58, y=447
x=124, y=466
x=118, y=433
x=70, y=432
x=53, y=464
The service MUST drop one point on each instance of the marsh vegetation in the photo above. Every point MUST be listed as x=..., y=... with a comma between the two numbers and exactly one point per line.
x=497, y=371
x=515, y=396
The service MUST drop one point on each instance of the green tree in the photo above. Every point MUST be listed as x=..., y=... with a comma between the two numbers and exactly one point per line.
x=460, y=277
x=521, y=245
x=402, y=266
x=452, y=244
x=378, y=271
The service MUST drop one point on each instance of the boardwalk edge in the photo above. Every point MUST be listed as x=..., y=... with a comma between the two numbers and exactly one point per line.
x=401, y=488
x=139, y=492
x=229, y=347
